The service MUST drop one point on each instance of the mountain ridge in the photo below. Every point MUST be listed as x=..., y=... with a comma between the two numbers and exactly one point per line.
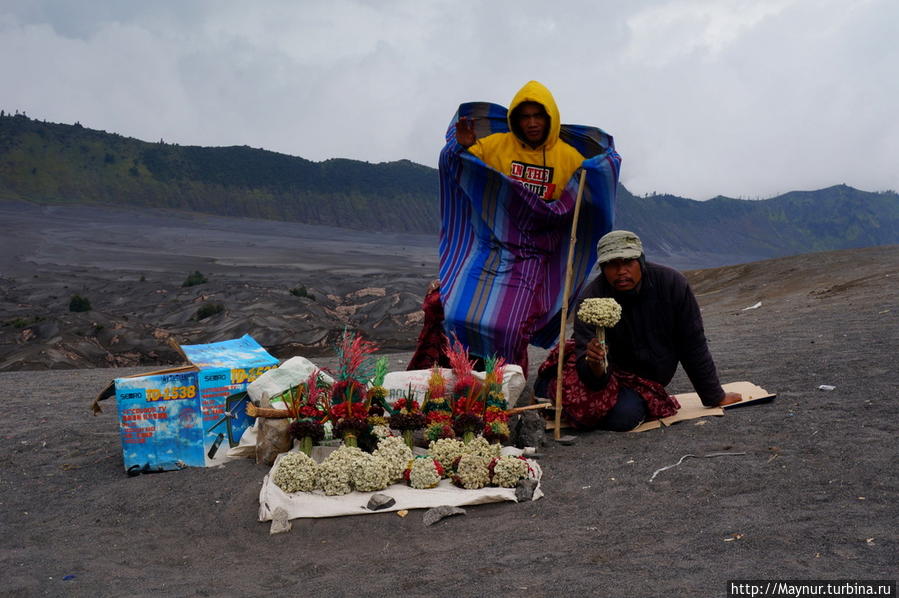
x=58, y=163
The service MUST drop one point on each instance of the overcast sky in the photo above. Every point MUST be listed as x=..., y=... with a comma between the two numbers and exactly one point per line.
x=745, y=98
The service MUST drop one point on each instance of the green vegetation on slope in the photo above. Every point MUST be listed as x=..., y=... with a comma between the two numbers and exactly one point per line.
x=49, y=162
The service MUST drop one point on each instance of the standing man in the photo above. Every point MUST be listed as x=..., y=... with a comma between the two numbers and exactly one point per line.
x=660, y=326
x=507, y=196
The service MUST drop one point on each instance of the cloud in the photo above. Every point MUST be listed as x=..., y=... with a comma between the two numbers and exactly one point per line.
x=732, y=97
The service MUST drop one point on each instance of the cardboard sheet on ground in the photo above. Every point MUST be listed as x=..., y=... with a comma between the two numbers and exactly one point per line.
x=692, y=407
x=317, y=504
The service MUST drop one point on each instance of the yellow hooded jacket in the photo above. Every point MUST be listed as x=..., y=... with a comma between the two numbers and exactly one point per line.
x=545, y=169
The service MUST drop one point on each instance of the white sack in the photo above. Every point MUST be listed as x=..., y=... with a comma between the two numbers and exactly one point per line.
x=272, y=383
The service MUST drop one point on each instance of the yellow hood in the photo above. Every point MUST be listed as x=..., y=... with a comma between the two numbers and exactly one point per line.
x=534, y=91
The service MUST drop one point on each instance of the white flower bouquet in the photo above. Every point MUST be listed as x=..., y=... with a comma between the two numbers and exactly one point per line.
x=296, y=473
x=506, y=471
x=335, y=473
x=472, y=472
x=370, y=473
x=601, y=312
x=397, y=455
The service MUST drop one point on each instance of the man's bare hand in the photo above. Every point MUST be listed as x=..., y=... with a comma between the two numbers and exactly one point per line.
x=596, y=355
x=730, y=398
x=465, y=132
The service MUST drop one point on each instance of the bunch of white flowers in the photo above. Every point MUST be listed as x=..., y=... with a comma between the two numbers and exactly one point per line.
x=424, y=473
x=370, y=473
x=479, y=446
x=508, y=470
x=472, y=472
x=602, y=312
x=296, y=473
x=335, y=474
x=446, y=450
x=380, y=432
x=394, y=450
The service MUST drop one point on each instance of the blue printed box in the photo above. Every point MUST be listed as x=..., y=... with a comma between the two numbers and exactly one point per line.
x=189, y=417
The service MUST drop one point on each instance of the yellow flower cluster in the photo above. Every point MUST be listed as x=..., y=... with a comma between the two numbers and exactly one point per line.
x=296, y=473
x=602, y=312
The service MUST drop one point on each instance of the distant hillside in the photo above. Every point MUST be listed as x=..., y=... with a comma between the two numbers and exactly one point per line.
x=49, y=162
x=46, y=162
x=838, y=217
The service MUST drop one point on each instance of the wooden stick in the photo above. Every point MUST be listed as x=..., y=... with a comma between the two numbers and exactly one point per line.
x=567, y=289
x=515, y=410
x=254, y=411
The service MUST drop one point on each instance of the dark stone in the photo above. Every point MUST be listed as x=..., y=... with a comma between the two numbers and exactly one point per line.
x=380, y=501
x=524, y=490
x=529, y=429
x=434, y=515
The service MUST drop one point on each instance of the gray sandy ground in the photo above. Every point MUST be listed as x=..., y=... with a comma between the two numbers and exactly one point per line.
x=131, y=265
x=815, y=495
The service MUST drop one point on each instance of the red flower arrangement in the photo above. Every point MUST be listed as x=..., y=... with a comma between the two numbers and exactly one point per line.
x=467, y=397
x=307, y=405
x=349, y=397
x=407, y=417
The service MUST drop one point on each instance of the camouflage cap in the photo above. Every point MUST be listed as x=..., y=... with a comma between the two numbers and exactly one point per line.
x=619, y=244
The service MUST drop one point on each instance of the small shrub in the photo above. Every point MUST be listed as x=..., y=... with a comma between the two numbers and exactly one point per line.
x=209, y=309
x=143, y=278
x=301, y=291
x=79, y=303
x=23, y=322
x=194, y=278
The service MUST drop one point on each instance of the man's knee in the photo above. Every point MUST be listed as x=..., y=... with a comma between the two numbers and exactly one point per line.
x=627, y=413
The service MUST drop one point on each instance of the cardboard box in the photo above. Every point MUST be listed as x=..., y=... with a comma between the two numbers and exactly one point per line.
x=190, y=416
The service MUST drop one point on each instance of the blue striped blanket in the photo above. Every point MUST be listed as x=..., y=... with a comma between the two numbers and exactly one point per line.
x=503, y=250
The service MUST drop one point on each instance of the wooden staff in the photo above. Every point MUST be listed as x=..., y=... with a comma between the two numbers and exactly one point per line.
x=557, y=433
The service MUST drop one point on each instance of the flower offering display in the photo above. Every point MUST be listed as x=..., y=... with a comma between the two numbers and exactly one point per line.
x=377, y=394
x=297, y=472
x=437, y=409
x=308, y=404
x=370, y=473
x=471, y=471
x=424, y=473
x=335, y=473
x=601, y=312
x=407, y=417
x=349, y=396
x=396, y=454
x=481, y=447
x=467, y=396
x=496, y=427
x=446, y=451
x=506, y=471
